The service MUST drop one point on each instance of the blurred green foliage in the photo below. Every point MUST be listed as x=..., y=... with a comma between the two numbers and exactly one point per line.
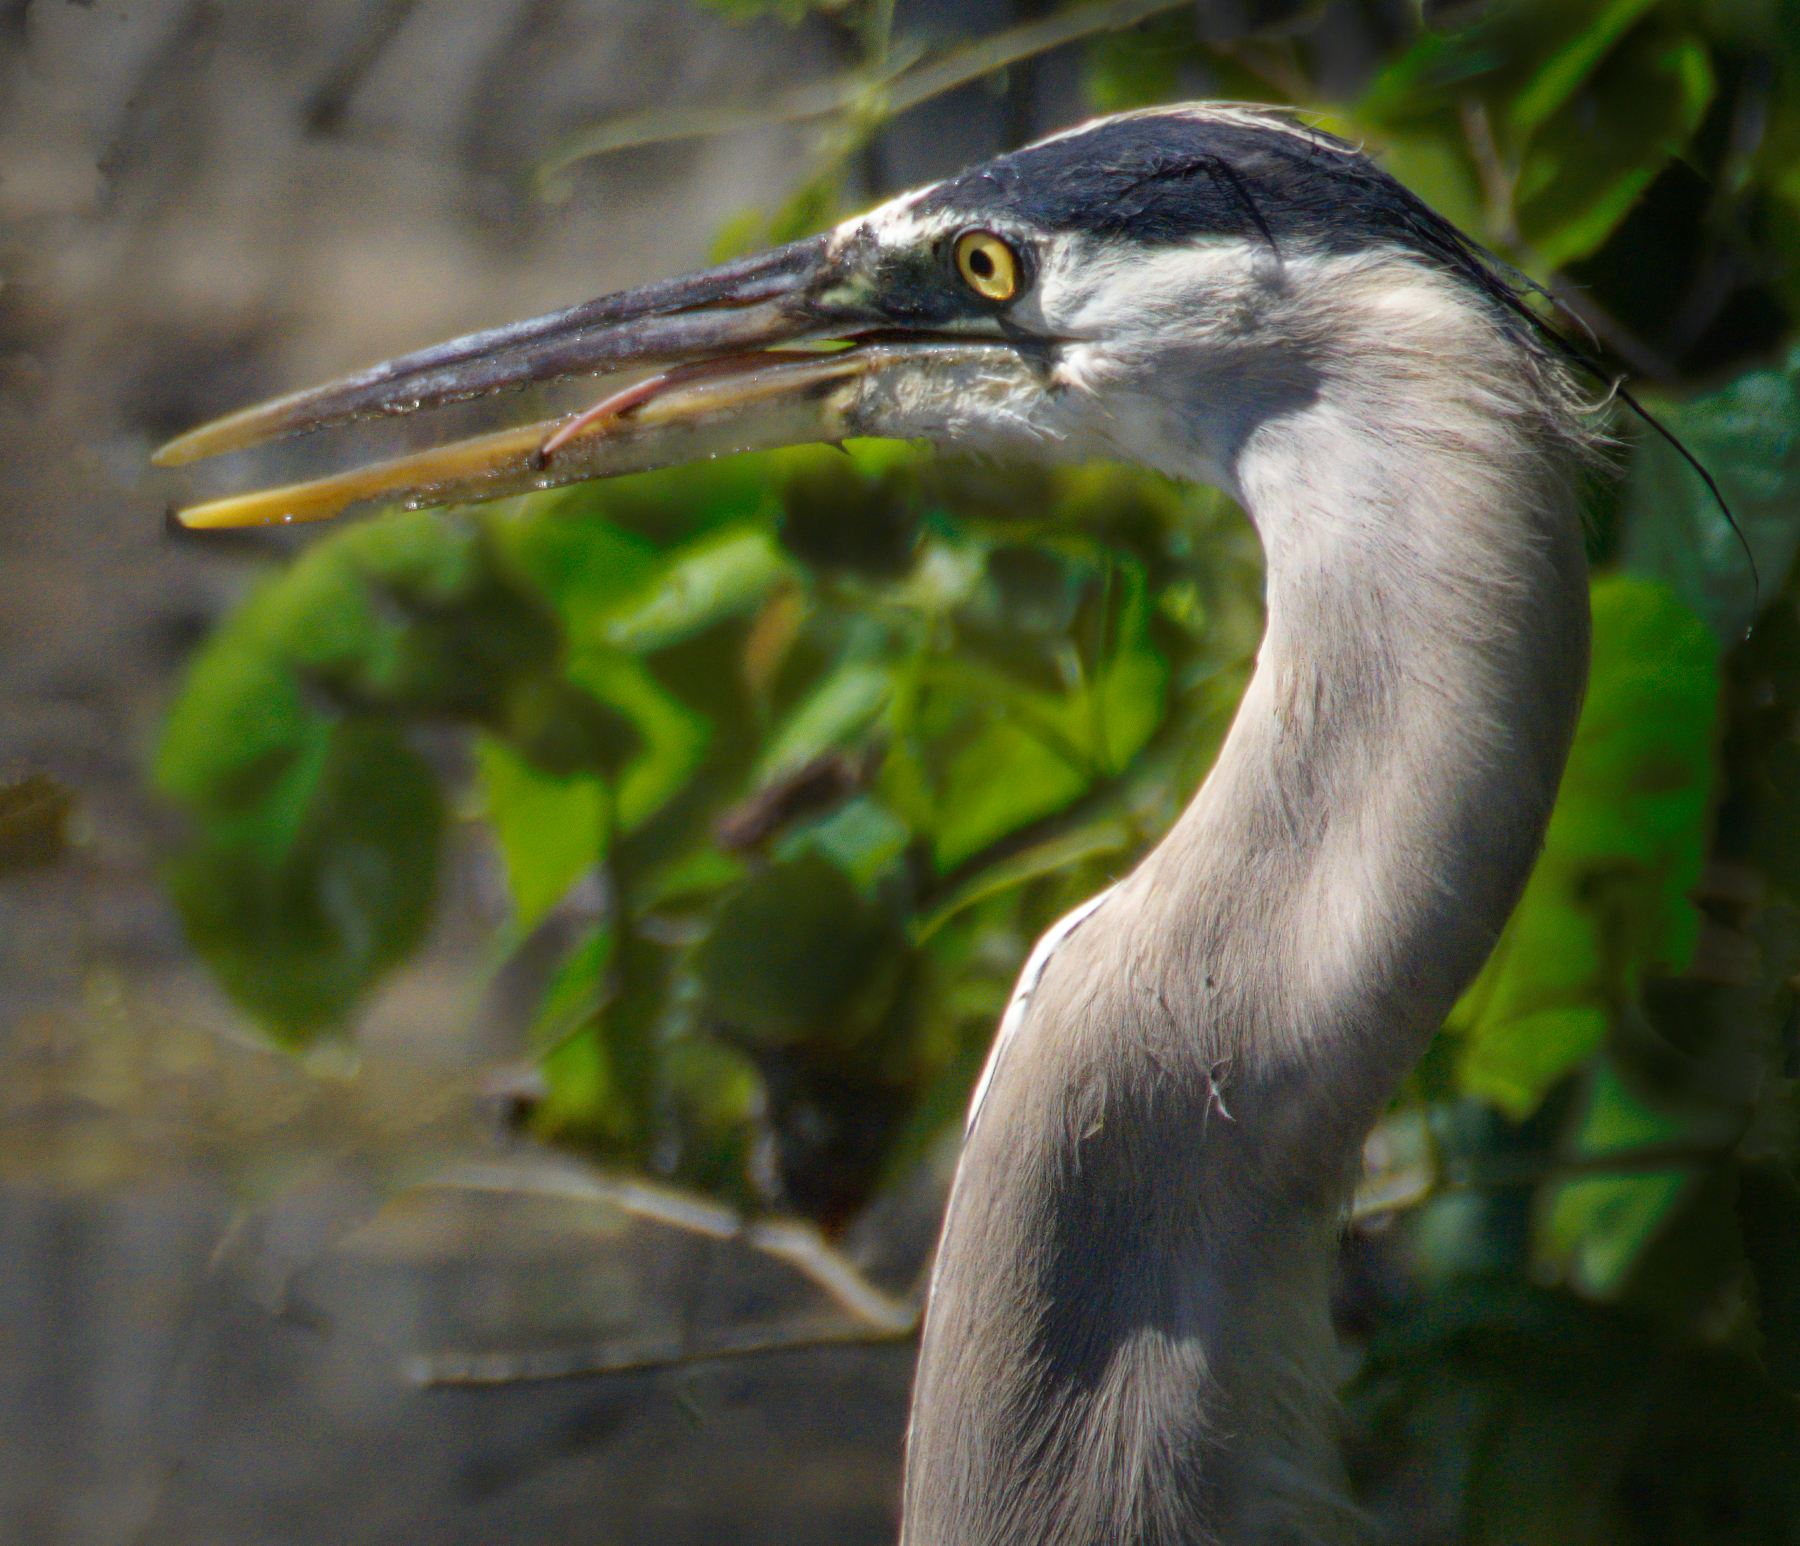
x=836, y=734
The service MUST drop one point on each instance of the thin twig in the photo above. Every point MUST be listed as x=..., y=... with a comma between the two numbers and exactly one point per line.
x=587, y=1362
x=890, y=87
x=1499, y=178
x=328, y=102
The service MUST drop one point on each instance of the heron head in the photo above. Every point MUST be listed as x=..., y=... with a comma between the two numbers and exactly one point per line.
x=1147, y=287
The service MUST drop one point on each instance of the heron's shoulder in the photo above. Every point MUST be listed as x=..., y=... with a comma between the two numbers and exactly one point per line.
x=1029, y=977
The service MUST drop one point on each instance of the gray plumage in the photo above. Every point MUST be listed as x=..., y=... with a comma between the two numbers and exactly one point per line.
x=1127, y=1337
x=1126, y=1341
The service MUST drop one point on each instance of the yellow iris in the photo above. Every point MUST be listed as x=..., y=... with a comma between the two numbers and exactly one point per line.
x=989, y=267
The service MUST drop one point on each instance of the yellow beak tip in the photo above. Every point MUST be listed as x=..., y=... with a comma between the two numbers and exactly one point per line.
x=183, y=449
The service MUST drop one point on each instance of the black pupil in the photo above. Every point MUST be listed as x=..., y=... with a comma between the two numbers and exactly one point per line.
x=981, y=263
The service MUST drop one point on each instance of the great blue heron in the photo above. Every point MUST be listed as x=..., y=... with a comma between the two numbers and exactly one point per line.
x=1127, y=1337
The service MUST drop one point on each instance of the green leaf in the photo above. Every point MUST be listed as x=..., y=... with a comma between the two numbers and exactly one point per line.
x=673, y=736
x=1579, y=106
x=1003, y=779
x=452, y=631
x=1123, y=710
x=581, y=562
x=1512, y=1059
x=238, y=724
x=567, y=731
x=792, y=952
x=1747, y=435
x=300, y=900
x=1594, y=1228
x=862, y=837
x=408, y=612
x=1059, y=854
x=1588, y=164
x=717, y=1086
x=717, y=576
x=1558, y=78
x=584, y=1095
x=1139, y=66
x=577, y=992
x=585, y=1092
x=1526, y=59
x=1434, y=161
x=838, y=709
x=1608, y=899
x=551, y=830
x=693, y=878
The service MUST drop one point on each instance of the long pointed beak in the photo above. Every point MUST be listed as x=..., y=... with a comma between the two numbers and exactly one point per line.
x=728, y=383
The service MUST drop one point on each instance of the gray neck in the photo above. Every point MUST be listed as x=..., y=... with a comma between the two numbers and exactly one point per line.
x=1127, y=1337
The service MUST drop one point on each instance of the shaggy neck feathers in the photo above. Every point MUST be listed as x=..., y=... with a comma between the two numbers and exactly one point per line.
x=1126, y=1341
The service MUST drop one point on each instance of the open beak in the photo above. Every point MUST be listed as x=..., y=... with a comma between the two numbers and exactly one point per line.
x=743, y=358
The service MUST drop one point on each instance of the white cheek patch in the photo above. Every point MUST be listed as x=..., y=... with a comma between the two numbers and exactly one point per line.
x=1118, y=289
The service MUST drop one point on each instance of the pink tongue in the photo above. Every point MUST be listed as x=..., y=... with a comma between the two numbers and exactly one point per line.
x=640, y=392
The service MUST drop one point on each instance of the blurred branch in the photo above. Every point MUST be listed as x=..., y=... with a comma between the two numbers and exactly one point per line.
x=1728, y=264
x=876, y=1318
x=872, y=1316
x=516, y=1368
x=325, y=105
x=665, y=125
x=890, y=87
x=1023, y=42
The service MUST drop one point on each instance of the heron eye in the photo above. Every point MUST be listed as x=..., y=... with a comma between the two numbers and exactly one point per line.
x=988, y=266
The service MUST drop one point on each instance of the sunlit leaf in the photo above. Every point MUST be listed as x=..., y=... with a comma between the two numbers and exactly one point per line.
x=1435, y=163
x=717, y=576
x=673, y=736
x=551, y=830
x=577, y=991
x=1558, y=78
x=1589, y=162
x=1001, y=780
x=238, y=724
x=583, y=1089
x=1127, y=704
x=837, y=709
x=717, y=1085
